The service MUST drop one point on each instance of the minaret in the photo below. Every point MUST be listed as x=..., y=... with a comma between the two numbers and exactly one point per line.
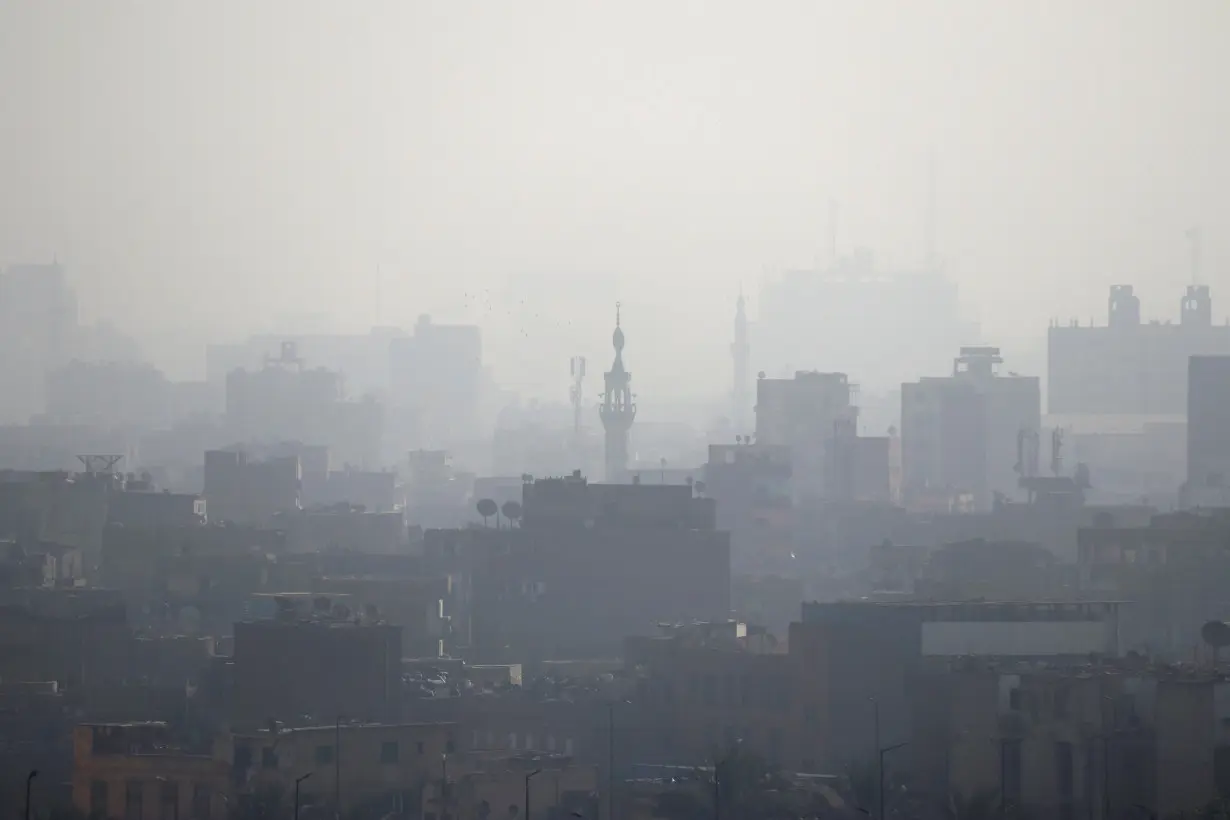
x=740, y=350
x=618, y=410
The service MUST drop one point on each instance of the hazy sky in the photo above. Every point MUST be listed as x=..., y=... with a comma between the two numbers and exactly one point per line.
x=204, y=167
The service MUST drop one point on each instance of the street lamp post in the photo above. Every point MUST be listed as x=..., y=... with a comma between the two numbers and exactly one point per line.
x=884, y=751
x=29, y=781
x=299, y=780
x=529, y=777
x=444, y=786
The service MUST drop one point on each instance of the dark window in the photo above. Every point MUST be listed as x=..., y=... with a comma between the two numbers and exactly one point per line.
x=1064, y=773
x=1221, y=768
x=269, y=758
x=419, y=745
x=710, y=690
x=1011, y=762
x=168, y=800
x=98, y=798
x=388, y=751
x=324, y=754
x=134, y=800
x=1061, y=703
x=1014, y=700
x=200, y=802
x=448, y=747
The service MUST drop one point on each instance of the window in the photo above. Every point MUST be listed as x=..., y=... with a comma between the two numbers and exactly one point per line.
x=168, y=800
x=134, y=800
x=324, y=755
x=388, y=751
x=1061, y=703
x=269, y=758
x=450, y=747
x=568, y=746
x=98, y=798
x=1011, y=763
x=1014, y=699
x=200, y=802
x=1064, y=773
x=418, y=747
x=529, y=742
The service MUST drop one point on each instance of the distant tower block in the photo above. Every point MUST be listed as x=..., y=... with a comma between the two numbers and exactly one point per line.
x=618, y=409
x=576, y=395
x=740, y=351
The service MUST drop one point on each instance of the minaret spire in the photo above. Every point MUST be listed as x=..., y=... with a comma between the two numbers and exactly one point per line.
x=618, y=409
x=740, y=351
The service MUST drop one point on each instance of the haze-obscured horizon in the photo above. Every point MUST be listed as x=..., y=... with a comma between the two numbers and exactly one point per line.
x=208, y=170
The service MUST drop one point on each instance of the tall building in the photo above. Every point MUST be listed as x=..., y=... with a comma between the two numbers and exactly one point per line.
x=1130, y=367
x=960, y=434
x=438, y=372
x=740, y=351
x=1208, y=432
x=815, y=417
x=807, y=319
x=618, y=409
x=38, y=328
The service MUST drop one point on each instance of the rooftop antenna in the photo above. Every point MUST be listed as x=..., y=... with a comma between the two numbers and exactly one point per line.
x=1193, y=239
x=833, y=232
x=930, y=216
x=577, y=369
x=95, y=464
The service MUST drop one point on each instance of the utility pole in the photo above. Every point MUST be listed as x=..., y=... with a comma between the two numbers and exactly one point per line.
x=883, y=752
x=299, y=780
x=529, y=777
x=610, y=761
x=29, y=780
x=444, y=786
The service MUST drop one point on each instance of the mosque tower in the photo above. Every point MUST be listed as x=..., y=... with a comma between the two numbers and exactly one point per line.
x=617, y=410
x=740, y=350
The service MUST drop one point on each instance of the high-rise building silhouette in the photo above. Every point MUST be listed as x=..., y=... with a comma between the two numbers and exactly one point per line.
x=618, y=409
x=740, y=350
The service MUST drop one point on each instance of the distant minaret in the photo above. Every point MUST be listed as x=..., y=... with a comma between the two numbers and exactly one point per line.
x=740, y=351
x=618, y=410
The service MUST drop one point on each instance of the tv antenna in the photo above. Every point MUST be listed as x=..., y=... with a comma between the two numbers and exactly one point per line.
x=95, y=464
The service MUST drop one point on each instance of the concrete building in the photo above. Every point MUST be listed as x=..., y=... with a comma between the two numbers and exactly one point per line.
x=960, y=434
x=250, y=492
x=286, y=401
x=1171, y=569
x=438, y=374
x=495, y=784
x=862, y=658
x=618, y=410
x=1130, y=367
x=138, y=771
x=589, y=565
x=1208, y=432
x=77, y=637
x=707, y=686
x=316, y=658
x=740, y=351
x=815, y=416
x=849, y=316
x=38, y=323
x=378, y=768
x=1104, y=741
